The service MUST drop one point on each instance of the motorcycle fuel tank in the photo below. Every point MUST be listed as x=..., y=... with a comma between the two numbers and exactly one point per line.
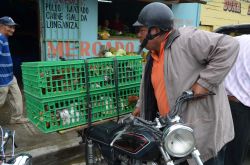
x=139, y=143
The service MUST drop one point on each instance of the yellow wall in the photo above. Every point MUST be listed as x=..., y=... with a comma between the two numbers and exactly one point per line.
x=212, y=14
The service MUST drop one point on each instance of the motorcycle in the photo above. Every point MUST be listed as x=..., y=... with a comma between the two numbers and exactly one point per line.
x=11, y=159
x=135, y=141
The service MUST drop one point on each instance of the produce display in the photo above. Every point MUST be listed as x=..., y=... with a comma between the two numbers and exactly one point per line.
x=104, y=35
x=113, y=52
x=107, y=34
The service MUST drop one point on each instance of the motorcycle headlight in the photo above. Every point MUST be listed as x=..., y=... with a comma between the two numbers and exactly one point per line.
x=178, y=140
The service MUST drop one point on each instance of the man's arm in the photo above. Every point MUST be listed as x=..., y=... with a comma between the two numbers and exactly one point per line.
x=218, y=53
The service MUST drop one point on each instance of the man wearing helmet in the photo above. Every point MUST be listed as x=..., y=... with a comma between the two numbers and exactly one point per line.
x=182, y=59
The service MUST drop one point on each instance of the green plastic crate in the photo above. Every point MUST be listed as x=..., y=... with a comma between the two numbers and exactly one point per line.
x=125, y=92
x=101, y=72
x=129, y=70
x=54, y=78
x=60, y=113
x=103, y=105
x=51, y=115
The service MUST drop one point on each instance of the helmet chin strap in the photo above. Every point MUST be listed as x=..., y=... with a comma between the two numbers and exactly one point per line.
x=148, y=37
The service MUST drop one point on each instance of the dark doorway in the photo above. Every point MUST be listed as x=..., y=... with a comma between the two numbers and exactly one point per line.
x=24, y=44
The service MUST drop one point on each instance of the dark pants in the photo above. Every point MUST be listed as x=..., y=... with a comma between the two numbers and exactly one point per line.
x=218, y=160
x=237, y=149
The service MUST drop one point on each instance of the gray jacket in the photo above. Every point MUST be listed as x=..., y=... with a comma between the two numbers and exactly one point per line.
x=191, y=56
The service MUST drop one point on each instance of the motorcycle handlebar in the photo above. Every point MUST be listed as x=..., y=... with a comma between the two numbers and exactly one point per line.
x=186, y=95
x=189, y=94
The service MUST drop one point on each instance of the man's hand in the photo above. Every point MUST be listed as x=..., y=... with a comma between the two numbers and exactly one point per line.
x=136, y=112
x=132, y=99
x=199, y=90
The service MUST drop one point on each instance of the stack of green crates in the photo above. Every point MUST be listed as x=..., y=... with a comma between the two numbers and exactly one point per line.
x=57, y=92
x=105, y=101
x=54, y=93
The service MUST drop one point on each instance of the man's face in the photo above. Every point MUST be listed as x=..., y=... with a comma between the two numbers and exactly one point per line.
x=142, y=33
x=7, y=30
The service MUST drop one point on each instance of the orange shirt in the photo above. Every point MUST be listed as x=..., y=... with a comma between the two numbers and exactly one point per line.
x=158, y=82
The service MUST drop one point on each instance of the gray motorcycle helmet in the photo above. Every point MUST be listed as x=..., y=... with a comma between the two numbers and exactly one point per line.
x=156, y=14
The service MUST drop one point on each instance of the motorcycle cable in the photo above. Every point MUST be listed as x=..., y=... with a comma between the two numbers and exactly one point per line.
x=187, y=95
x=119, y=135
x=148, y=125
x=177, y=107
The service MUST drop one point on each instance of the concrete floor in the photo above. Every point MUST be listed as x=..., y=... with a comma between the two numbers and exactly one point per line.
x=5, y=115
x=30, y=140
x=72, y=156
